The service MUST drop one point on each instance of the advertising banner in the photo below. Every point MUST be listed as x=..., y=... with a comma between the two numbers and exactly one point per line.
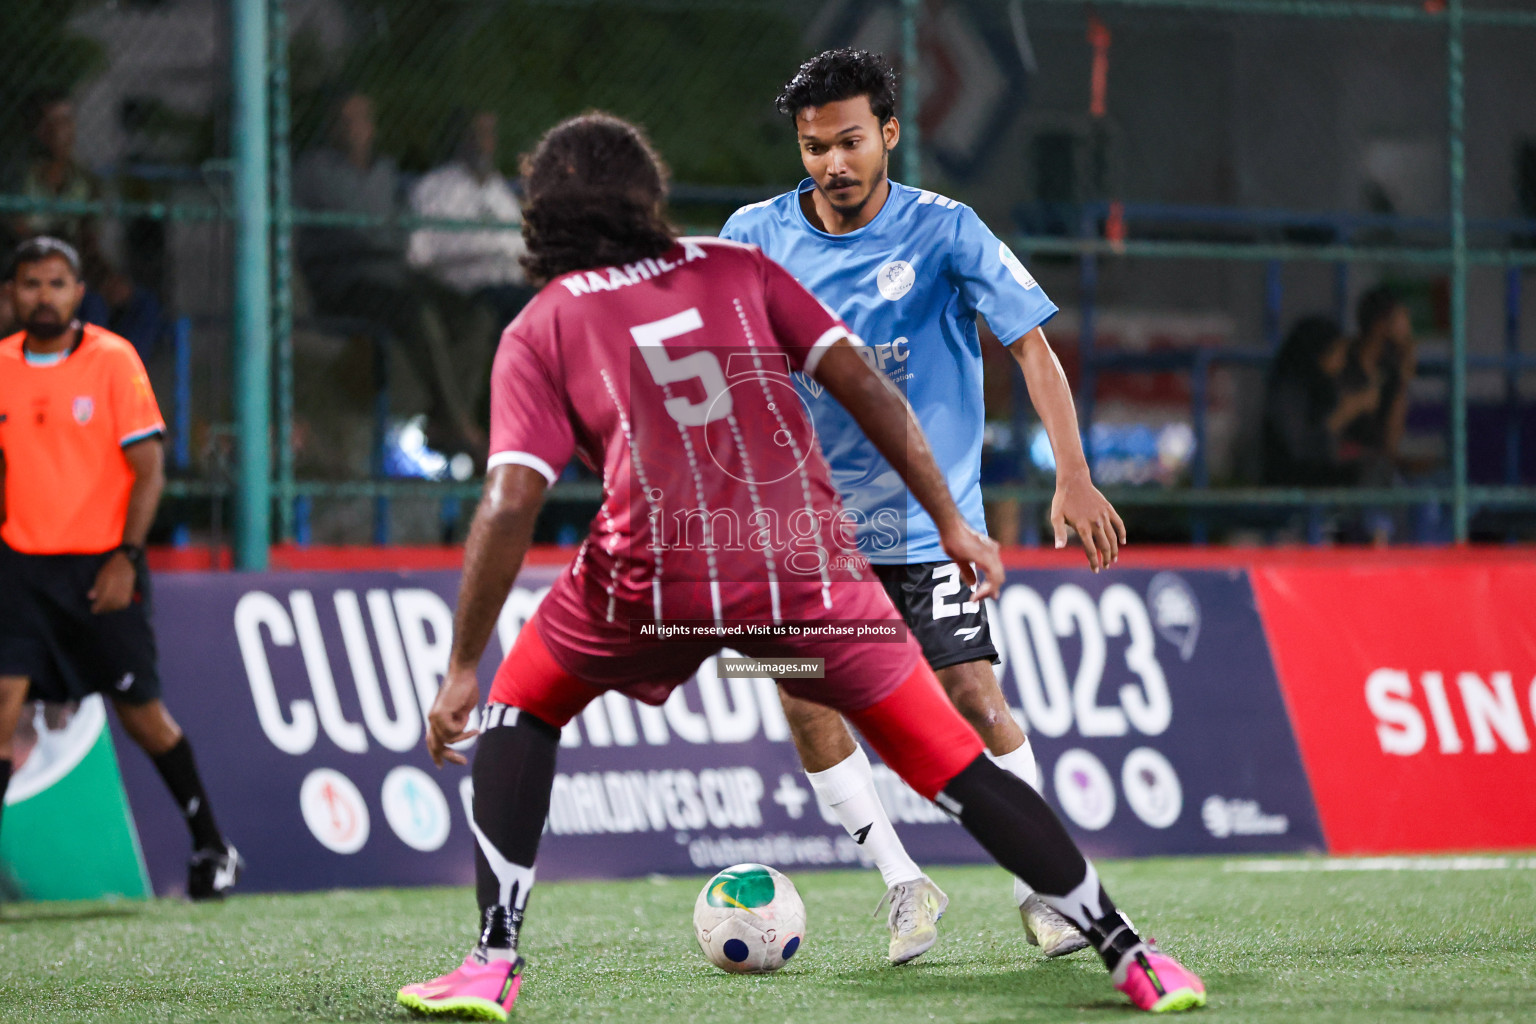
x=1413, y=694
x=1150, y=697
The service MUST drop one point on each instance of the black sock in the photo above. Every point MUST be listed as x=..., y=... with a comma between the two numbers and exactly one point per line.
x=514, y=771
x=179, y=771
x=5, y=780
x=1018, y=828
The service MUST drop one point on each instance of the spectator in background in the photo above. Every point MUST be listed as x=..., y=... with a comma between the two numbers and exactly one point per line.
x=53, y=172
x=362, y=272
x=1382, y=361
x=1306, y=410
x=482, y=265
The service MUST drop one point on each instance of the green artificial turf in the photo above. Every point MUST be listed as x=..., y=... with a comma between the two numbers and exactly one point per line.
x=1278, y=946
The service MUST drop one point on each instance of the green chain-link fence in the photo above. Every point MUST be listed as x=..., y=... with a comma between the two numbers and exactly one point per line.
x=1188, y=178
x=410, y=111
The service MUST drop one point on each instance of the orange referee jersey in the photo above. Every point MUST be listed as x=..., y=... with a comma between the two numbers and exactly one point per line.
x=63, y=428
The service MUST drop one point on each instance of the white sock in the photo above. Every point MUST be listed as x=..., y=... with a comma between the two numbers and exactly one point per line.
x=1020, y=762
x=848, y=788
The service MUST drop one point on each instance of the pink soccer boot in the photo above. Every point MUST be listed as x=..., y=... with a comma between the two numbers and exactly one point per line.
x=1157, y=983
x=474, y=991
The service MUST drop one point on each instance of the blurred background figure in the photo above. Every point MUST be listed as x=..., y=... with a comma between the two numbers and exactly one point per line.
x=361, y=272
x=52, y=171
x=481, y=265
x=1382, y=362
x=1306, y=410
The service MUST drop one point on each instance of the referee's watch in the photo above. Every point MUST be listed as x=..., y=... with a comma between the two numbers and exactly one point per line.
x=135, y=552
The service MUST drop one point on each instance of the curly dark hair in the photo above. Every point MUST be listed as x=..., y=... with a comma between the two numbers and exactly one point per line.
x=595, y=192
x=841, y=74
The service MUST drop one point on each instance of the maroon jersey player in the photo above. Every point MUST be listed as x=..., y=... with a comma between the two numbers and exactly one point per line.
x=667, y=375
x=659, y=360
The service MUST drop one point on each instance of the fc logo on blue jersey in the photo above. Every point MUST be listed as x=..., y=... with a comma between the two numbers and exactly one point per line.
x=895, y=279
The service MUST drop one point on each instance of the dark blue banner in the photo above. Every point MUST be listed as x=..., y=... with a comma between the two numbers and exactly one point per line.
x=1150, y=697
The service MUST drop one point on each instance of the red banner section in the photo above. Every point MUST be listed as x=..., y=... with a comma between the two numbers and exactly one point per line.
x=1412, y=692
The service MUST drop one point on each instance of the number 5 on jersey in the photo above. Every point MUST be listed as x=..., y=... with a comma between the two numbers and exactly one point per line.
x=701, y=365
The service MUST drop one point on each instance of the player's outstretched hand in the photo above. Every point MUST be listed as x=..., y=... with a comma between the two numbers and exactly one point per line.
x=1079, y=504
x=450, y=714
x=974, y=551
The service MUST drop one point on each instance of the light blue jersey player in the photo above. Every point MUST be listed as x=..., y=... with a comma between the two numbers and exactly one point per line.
x=910, y=283
x=910, y=271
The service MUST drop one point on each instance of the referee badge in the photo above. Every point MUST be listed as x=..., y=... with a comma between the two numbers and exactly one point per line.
x=83, y=409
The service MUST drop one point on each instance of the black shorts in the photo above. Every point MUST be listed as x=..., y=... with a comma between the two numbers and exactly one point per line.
x=49, y=634
x=935, y=602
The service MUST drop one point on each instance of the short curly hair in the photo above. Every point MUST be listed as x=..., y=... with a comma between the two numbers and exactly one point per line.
x=841, y=74
x=595, y=192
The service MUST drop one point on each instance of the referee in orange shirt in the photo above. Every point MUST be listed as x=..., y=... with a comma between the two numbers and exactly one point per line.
x=81, y=470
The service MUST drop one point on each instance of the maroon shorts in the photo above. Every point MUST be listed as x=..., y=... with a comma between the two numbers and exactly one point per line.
x=911, y=723
x=603, y=642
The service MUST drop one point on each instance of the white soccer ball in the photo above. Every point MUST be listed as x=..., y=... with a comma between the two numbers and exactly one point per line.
x=749, y=919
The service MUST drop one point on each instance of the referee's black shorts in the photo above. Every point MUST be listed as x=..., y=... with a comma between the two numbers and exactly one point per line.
x=936, y=604
x=49, y=634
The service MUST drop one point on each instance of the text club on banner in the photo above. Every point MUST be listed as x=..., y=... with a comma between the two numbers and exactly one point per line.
x=1413, y=694
x=1150, y=698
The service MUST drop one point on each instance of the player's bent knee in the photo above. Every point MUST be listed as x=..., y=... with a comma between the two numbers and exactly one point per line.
x=918, y=733
x=974, y=702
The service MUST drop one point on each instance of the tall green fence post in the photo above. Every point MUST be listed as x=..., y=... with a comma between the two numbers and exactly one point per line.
x=282, y=264
x=252, y=286
x=911, y=100
x=1456, y=94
